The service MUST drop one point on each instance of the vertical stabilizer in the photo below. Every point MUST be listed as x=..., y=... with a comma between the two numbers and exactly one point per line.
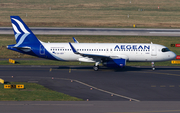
x=23, y=35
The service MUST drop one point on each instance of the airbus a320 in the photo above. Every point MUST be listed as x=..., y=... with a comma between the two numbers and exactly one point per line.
x=109, y=54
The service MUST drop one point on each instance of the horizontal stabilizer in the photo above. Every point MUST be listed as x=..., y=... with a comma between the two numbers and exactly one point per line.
x=25, y=49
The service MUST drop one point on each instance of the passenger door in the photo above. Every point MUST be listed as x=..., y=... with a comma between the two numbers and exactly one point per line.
x=153, y=50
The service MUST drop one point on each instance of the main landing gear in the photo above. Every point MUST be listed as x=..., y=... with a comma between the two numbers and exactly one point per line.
x=96, y=66
x=153, y=66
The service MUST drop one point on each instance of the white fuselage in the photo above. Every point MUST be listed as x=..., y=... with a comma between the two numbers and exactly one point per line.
x=129, y=51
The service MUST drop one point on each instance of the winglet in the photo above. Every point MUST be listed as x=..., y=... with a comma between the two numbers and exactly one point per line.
x=73, y=49
x=75, y=41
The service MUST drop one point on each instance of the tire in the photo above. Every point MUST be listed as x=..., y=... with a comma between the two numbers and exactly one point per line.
x=96, y=68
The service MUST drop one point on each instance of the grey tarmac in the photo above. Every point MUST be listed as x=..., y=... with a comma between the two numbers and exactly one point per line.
x=131, y=83
x=89, y=107
x=129, y=90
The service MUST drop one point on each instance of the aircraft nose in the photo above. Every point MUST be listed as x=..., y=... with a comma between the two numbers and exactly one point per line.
x=173, y=55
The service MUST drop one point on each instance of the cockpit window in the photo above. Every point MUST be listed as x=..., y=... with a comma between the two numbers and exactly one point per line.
x=165, y=49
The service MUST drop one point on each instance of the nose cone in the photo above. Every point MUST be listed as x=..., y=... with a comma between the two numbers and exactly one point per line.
x=173, y=55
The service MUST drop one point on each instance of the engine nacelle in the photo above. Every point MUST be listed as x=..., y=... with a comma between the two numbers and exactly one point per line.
x=115, y=63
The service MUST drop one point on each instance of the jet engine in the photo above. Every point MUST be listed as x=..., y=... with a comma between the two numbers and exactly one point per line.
x=114, y=63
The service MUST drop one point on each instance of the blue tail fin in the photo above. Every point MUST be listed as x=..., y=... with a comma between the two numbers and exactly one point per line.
x=23, y=35
x=26, y=41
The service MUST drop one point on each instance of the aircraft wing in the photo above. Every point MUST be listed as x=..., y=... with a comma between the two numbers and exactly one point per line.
x=96, y=55
x=86, y=55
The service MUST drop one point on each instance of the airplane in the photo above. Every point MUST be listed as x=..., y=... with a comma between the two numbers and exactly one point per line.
x=109, y=54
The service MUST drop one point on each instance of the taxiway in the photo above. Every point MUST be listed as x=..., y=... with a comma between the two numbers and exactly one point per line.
x=131, y=83
x=129, y=90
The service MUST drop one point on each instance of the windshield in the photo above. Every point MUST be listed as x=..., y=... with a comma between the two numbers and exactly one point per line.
x=165, y=49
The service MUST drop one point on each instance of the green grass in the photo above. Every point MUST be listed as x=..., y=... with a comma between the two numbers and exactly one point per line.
x=33, y=92
x=93, y=13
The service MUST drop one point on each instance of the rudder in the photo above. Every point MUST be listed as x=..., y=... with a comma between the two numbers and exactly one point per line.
x=23, y=35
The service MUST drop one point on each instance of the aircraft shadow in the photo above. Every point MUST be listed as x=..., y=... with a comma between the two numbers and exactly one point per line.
x=145, y=68
x=127, y=68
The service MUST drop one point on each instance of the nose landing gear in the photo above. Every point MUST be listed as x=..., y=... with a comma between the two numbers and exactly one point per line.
x=153, y=66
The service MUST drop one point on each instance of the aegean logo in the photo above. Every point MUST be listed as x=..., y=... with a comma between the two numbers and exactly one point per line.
x=132, y=47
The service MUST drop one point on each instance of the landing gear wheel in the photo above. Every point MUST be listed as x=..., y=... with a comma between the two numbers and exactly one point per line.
x=153, y=66
x=96, y=68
